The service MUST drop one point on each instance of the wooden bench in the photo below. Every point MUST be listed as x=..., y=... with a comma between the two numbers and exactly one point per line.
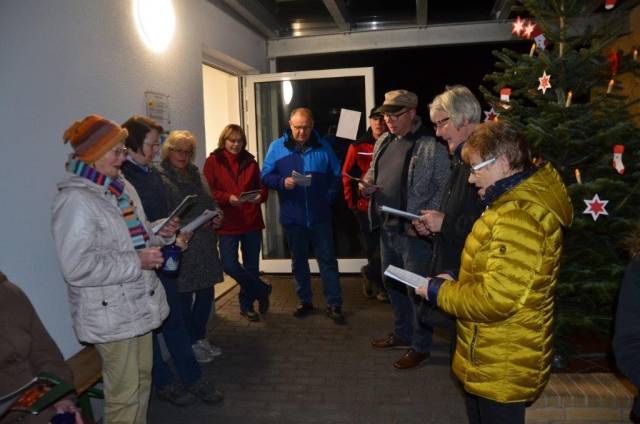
x=86, y=366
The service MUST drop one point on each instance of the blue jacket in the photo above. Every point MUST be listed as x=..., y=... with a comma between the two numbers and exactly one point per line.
x=305, y=206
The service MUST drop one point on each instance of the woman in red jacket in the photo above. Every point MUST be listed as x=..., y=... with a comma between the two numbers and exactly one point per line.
x=232, y=172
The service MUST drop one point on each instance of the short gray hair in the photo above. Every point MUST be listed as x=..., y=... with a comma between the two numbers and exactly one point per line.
x=460, y=103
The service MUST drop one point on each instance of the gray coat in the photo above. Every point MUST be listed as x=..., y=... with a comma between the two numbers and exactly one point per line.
x=111, y=297
x=200, y=265
x=427, y=174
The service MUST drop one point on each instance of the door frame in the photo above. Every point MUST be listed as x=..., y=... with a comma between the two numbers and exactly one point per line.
x=350, y=265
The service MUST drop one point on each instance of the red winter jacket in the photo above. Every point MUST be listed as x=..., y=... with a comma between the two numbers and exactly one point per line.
x=224, y=182
x=356, y=164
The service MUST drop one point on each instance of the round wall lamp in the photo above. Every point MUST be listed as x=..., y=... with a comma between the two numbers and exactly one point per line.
x=156, y=22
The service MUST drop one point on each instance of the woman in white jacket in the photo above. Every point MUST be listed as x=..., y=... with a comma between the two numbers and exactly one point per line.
x=108, y=254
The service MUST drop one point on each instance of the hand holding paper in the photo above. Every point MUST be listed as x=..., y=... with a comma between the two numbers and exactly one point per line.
x=407, y=277
x=301, y=179
x=249, y=196
x=176, y=212
x=205, y=217
x=398, y=212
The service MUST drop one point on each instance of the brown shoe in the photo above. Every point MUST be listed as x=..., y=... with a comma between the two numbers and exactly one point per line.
x=390, y=342
x=411, y=359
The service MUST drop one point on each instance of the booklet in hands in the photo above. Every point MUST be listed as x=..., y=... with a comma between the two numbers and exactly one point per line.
x=360, y=180
x=186, y=202
x=406, y=277
x=200, y=220
x=249, y=196
x=300, y=179
x=35, y=395
x=398, y=212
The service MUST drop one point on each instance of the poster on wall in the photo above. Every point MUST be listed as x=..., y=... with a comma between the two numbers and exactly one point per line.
x=157, y=105
x=158, y=108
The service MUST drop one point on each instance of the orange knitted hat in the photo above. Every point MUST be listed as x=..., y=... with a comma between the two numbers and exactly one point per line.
x=94, y=136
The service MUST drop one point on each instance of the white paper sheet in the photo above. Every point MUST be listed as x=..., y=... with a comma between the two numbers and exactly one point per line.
x=348, y=124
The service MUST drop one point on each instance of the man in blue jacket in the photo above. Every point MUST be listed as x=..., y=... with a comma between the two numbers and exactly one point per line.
x=302, y=167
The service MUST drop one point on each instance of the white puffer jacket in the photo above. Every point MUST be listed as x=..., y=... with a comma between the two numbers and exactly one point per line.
x=111, y=297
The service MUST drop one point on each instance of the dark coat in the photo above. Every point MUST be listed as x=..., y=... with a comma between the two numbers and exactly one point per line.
x=26, y=349
x=224, y=182
x=150, y=188
x=461, y=207
x=200, y=265
x=626, y=341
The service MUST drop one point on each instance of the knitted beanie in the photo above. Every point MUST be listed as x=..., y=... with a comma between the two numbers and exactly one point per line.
x=94, y=136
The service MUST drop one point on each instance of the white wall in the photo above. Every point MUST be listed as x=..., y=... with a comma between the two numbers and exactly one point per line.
x=221, y=103
x=61, y=60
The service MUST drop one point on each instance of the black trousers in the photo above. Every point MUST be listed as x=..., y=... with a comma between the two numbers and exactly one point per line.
x=485, y=411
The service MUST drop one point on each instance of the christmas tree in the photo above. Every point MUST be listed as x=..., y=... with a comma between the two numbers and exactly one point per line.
x=565, y=93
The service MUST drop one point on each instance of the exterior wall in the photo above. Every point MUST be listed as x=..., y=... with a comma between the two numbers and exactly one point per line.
x=61, y=60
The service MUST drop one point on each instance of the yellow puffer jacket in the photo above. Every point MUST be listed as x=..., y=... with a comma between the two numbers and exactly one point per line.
x=504, y=299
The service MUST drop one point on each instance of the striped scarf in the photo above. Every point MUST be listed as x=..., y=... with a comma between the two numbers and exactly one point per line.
x=139, y=235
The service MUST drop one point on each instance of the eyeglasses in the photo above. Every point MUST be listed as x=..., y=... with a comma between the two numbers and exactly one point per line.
x=477, y=167
x=301, y=128
x=441, y=123
x=182, y=152
x=120, y=151
x=153, y=145
x=235, y=140
x=394, y=116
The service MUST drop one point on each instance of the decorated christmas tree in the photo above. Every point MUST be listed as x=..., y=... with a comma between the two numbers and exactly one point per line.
x=565, y=92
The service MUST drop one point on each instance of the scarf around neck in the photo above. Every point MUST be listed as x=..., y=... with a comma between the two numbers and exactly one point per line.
x=139, y=235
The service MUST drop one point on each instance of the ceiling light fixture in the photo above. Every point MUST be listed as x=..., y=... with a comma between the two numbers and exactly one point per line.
x=156, y=22
x=287, y=92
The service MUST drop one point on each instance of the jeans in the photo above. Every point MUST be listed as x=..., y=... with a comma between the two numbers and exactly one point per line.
x=178, y=343
x=372, y=270
x=196, y=309
x=319, y=237
x=486, y=411
x=412, y=254
x=246, y=273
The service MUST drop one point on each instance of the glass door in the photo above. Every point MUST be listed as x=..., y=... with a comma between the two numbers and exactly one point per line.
x=269, y=98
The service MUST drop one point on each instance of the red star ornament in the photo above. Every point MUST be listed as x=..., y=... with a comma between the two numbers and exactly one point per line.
x=490, y=115
x=545, y=82
x=595, y=207
x=517, y=26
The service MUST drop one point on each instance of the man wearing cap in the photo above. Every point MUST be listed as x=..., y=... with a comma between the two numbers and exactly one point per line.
x=304, y=170
x=408, y=172
x=356, y=164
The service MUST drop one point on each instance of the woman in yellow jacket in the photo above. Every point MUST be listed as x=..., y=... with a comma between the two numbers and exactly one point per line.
x=503, y=296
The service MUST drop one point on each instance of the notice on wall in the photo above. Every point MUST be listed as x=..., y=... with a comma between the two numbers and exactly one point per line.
x=158, y=108
x=348, y=124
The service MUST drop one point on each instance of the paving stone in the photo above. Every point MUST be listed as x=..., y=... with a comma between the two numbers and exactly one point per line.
x=286, y=370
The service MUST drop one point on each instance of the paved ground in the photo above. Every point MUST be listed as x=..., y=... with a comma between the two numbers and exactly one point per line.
x=286, y=370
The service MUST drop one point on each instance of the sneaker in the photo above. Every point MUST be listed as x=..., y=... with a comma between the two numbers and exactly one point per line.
x=367, y=286
x=390, y=342
x=202, y=356
x=335, y=313
x=303, y=309
x=263, y=304
x=208, y=347
x=205, y=391
x=176, y=395
x=250, y=315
